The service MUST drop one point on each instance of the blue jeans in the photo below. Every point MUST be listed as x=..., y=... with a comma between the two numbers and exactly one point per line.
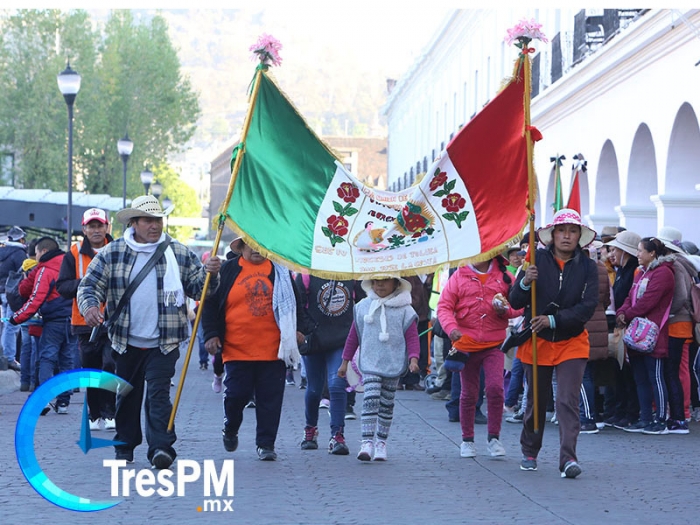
x=9, y=333
x=516, y=383
x=57, y=347
x=28, y=357
x=203, y=354
x=319, y=368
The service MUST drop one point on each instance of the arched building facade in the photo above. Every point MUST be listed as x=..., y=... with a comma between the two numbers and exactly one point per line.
x=626, y=98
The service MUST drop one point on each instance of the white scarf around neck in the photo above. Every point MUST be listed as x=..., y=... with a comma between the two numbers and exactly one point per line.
x=173, y=292
x=393, y=300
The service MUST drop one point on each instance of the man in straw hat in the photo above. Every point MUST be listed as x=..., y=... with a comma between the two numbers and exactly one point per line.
x=567, y=294
x=146, y=344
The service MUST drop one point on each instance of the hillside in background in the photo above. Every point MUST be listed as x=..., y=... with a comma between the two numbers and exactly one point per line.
x=336, y=90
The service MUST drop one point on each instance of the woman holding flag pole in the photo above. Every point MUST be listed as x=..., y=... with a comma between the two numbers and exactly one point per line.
x=567, y=294
x=559, y=339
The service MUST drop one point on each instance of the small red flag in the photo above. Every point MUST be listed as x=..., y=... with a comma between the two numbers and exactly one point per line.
x=575, y=195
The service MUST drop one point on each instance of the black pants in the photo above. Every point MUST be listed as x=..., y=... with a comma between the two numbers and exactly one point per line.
x=140, y=366
x=98, y=355
x=265, y=380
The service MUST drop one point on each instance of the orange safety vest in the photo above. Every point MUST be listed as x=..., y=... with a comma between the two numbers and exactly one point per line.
x=82, y=261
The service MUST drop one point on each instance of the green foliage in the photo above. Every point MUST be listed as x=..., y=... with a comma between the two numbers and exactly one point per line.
x=131, y=82
x=183, y=196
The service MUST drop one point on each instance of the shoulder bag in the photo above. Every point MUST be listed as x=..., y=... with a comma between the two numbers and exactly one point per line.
x=131, y=288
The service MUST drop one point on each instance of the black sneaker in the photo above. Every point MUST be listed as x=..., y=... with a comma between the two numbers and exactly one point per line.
x=302, y=383
x=267, y=454
x=610, y=421
x=350, y=413
x=480, y=418
x=589, y=428
x=637, y=427
x=125, y=455
x=337, y=445
x=657, y=428
x=161, y=460
x=571, y=469
x=310, y=442
x=622, y=423
x=230, y=441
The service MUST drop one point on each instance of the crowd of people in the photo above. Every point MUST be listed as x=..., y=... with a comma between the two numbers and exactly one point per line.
x=466, y=336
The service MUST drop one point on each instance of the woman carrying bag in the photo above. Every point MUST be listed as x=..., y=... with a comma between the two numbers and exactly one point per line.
x=650, y=298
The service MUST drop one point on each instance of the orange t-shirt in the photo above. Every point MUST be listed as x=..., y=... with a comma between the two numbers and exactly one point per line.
x=552, y=353
x=252, y=333
x=681, y=330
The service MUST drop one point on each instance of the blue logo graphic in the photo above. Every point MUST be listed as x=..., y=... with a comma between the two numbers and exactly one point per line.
x=26, y=426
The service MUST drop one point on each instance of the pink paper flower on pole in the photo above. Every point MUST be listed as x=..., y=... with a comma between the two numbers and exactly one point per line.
x=525, y=31
x=266, y=50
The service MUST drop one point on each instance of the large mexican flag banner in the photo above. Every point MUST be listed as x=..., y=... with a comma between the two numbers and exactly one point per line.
x=294, y=201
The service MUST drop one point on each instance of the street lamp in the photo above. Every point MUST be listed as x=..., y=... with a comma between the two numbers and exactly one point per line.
x=166, y=205
x=69, y=85
x=124, y=147
x=146, y=179
x=157, y=189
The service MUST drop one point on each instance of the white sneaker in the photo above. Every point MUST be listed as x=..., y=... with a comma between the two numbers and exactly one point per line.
x=467, y=449
x=216, y=383
x=495, y=448
x=110, y=424
x=366, y=450
x=380, y=450
x=95, y=424
x=62, y=409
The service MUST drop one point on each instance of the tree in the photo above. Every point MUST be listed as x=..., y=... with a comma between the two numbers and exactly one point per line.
x=131, y=82
x=183, y=196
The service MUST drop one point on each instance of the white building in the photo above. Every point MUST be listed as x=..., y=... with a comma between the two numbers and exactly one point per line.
x=620, y=86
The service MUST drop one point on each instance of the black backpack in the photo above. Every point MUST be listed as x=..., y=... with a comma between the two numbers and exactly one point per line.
x=14, y=299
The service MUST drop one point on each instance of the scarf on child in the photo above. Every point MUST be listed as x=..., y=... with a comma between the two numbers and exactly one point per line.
x=394, y=300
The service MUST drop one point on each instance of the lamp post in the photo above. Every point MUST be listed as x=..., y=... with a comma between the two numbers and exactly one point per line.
x=157, y=189
x=69, y=85
x=166, y=204
x=124, y=147
x=146, y=179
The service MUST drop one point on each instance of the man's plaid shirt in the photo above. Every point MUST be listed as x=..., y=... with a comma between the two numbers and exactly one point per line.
x=106, y=280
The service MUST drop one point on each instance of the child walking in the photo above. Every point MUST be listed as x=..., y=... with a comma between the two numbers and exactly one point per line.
x=385, y=326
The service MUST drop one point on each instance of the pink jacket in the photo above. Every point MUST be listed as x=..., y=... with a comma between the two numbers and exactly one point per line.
x=466, y=304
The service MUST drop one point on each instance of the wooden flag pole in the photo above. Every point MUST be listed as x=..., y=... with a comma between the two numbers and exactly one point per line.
x=532, y=191
x=240, y=150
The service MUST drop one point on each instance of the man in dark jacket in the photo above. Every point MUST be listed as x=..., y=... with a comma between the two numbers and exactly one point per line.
x=12, y=255
x=96, y=353
x=57, y=345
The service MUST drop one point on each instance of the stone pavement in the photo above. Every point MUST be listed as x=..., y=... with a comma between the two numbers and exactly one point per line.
x=627, y=478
